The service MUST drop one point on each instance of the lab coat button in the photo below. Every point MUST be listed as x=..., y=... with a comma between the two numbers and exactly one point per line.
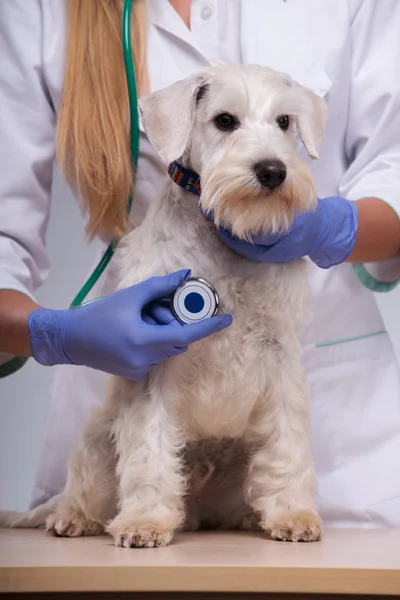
x=206, y=13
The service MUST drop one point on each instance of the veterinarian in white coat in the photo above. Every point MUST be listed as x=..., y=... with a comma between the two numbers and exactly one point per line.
x=348, y=52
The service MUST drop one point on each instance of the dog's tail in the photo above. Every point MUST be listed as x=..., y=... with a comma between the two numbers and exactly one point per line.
x=31, y=519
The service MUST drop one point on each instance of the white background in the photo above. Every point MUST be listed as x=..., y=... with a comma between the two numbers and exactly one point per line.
x=24, y=396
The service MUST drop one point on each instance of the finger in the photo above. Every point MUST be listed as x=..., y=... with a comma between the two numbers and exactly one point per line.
x=138, y=374
x=271, y=248
x=260, y=240
x=159, y=287
x=148, y=318
x=177, y=350
x=268, y=240
x=188, y=334
x=245, y=249
x=161, y=314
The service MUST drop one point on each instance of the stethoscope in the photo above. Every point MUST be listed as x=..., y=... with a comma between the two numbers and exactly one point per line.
x=197, y=298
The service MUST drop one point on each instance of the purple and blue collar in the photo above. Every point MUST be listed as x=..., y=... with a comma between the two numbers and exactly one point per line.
x=185, y=178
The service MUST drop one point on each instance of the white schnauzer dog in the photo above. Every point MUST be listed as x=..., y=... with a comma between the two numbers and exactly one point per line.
x=218, y=436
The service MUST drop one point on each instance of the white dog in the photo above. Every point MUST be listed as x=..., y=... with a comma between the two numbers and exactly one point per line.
x=218, y=436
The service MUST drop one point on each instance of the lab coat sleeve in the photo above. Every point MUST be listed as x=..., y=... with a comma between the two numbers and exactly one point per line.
x=373, y=132
x=27, y=132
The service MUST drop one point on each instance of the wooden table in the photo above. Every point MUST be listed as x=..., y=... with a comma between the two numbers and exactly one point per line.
x=345, y=562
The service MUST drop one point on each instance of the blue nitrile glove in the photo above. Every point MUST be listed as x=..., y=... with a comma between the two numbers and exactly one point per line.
x=126, y=333
x=326, y=235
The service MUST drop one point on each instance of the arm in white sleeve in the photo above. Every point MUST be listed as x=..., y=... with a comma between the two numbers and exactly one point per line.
x=373, y=132
x=27, y=140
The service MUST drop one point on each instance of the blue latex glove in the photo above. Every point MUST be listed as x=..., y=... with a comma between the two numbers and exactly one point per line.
x=126, y=333
x=326, y=235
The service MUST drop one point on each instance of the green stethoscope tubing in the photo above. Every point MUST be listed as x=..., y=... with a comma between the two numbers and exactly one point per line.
x=16, y=363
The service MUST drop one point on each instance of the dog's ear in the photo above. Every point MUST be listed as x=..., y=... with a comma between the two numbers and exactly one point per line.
x=311, y=120
x=168, y=116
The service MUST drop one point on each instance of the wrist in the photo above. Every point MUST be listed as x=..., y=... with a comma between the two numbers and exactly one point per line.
x=338, y=222
x=46, y=336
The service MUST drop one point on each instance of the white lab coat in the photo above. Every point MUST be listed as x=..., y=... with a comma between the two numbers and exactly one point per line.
x=348, y=52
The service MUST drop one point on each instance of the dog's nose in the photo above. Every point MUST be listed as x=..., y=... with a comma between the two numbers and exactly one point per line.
x=270, y=173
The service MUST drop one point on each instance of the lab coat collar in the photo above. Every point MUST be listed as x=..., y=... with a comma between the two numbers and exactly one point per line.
x=161, y=14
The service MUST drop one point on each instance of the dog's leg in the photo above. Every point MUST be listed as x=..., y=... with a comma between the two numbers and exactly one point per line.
x=89, y=499
x=148, y=442
x=281, y=481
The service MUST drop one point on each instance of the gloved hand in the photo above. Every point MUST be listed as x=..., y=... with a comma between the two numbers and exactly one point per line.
x=326, y=235
x=126, y=333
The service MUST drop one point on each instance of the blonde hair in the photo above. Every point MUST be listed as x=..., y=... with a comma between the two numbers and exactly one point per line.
x=93, y=148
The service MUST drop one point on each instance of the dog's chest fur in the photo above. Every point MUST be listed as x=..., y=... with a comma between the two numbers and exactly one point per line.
x=219, y=382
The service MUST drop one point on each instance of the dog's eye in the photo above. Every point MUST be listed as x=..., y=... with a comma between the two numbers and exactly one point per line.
x=283, y=122
x=226, y=122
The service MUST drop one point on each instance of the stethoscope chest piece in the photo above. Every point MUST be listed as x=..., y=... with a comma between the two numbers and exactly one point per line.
x=194, y=301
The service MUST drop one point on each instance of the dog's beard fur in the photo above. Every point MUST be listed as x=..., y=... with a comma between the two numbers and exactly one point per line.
x=239, y=203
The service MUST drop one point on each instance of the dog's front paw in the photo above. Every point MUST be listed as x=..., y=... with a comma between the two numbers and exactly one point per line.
x=131, y=537
x=301, y=526
x=142, y=531
x=73, y=524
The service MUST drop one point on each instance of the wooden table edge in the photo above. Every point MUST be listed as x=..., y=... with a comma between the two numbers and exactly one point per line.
x=328, y=580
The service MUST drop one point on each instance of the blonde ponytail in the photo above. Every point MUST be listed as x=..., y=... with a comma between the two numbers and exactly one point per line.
x=93, y=129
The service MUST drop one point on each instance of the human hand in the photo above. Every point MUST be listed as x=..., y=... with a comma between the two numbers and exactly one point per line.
x=327, y=235
x=125, y=334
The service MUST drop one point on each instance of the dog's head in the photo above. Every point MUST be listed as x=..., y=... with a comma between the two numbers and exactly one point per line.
x=238, y=127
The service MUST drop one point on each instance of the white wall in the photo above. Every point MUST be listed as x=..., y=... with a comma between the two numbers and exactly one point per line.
x=24, y=396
